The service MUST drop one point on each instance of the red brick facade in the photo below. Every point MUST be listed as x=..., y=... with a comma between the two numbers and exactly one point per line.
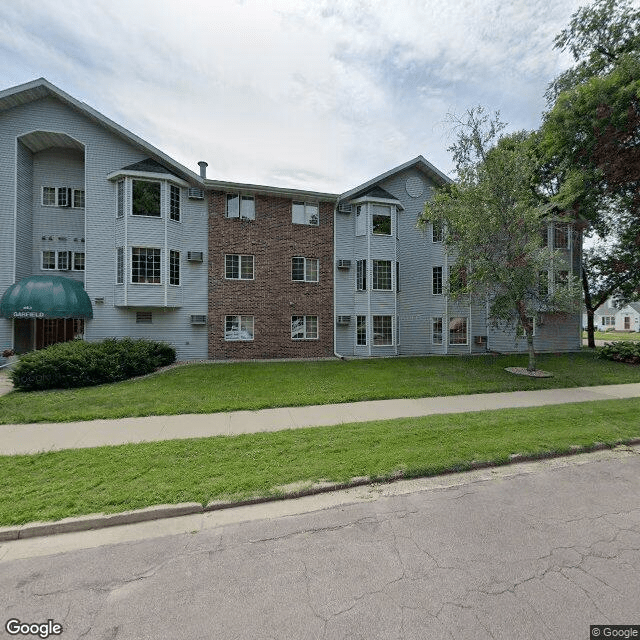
x=271, y=297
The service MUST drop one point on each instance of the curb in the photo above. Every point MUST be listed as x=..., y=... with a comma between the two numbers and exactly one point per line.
x=158, y=512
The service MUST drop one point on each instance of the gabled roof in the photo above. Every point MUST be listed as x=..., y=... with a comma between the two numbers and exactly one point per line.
x=42, y=88
x=419, y=163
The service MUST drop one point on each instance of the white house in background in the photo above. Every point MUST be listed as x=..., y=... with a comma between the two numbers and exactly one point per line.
x=628, y=318
x=608, y=317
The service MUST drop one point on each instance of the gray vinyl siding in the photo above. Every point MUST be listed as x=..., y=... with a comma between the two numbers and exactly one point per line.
x=104, y=153
x=24, y=212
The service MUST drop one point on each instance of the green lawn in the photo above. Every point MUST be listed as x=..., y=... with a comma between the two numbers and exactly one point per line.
x=613, y=335
x=50, y=486
x=208, y=388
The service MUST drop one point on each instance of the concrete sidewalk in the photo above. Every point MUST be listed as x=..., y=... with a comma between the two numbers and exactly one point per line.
x=31, y=438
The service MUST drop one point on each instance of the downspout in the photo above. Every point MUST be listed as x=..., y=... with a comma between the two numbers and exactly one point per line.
x=333, y=312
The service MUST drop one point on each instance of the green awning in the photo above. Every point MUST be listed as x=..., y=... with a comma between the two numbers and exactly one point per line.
x=46, y=297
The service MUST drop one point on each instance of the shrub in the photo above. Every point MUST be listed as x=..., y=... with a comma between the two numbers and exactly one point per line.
x=82, y=364
x=621, y=351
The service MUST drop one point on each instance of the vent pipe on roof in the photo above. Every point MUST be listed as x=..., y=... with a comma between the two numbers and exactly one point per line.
x=203, y=168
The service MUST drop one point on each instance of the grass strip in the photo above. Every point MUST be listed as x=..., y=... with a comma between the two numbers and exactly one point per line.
x=210, y=388
x=51, y=486
x=611, y=336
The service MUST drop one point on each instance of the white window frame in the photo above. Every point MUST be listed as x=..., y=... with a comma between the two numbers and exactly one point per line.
x=241, y=258
x=433, y=273
x=375, y=214
x=131, y=281
x=62, y=197
x=359, y=320
x=361, y=275
x=74, y=193
x=374, y=278
x=307, y=333
x=434, y=333
x=437, y=233
x=73, y=263
x=241, y=321
x=175, y=203
x=361, y=220
x=172, y=253
x=373, y=329
x=307, y=216
x=307, y=267
x=465, y=319
x=147, y=215
x=55, y=260
x=243, y=212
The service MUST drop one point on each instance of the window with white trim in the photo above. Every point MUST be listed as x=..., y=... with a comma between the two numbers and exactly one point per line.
x=304, y=269
x=436, y=330
x=361, y=275
x=120, y=199
x=437, y=232
x=58, y=196
x=174, y=267
x=63, y=260
x=361, y=220
x=145, y=199
x=382, y=275
x=305, y=213
x=238, y=267
x=381, y=220
x=361, y=331
x=458, y=330
x=561, y=235
x=78, y=199
x=120, y=265
x=608, y=321
x=175, y=194
x=239, y=206
x=436, y=281
x=382, y=331
x=49, y=260
x=78, y=260
x=238, y=328
x=304, y=327
x=145, y=265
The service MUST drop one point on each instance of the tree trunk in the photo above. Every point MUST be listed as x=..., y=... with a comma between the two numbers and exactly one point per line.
x=591, y=342
x=532, y=353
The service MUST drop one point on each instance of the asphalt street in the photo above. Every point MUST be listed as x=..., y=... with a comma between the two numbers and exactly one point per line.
x=533, y=551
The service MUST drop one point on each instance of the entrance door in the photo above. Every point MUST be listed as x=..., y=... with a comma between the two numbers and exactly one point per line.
x=23, y=335
x=52, y=330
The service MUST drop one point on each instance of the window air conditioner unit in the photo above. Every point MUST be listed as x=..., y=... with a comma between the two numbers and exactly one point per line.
x=195, y=193
x=344, y=264
x=344, y=320
x=344, y=208
x=194, y=256
x=480, y=340
x=199, y=319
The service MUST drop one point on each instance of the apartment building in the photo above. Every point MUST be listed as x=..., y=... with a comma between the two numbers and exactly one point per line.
x=103, y=235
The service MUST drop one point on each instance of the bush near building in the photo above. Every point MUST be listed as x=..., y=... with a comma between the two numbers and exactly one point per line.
x=83, y=364
x=621, y=351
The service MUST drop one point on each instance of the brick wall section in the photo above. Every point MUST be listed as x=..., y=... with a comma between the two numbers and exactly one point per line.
x=272, y=297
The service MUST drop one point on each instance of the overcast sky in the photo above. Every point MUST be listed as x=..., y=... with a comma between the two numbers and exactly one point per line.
x=315, y=95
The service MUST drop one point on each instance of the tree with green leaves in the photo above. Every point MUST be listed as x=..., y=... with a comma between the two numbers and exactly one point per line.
x=493, y=217
x=590, y=146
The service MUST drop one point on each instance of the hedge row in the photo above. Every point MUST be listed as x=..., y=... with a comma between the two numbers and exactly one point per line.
x=621, y=351
x=83, y=364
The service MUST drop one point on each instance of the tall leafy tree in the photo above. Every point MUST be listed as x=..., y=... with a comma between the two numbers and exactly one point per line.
x=493, y=216
x=590, y=142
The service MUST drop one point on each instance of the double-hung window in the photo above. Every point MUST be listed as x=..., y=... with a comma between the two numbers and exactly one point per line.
x=361, y=331
x=382, y=331
x=561, y=235
x=381, y=220
x=436, y=330
x=361, y=275
x=48, y=259
x=304, y=327
x=305, y=213
x=437, y=232
x=145, y=198
x=145, y=265
x=382, y=275
x=238, y=328
x=457, y=331
x=239, y=206
x=63, y=260
x=78, y=261
x=238, y=267
x=304, y=269
x=436, y=281
x=174, y=267
x=59, y=196
x=174, y=202
x=361, y=220
x=78, y=199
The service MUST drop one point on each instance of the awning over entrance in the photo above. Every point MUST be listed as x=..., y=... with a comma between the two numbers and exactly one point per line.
x=46, y=297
